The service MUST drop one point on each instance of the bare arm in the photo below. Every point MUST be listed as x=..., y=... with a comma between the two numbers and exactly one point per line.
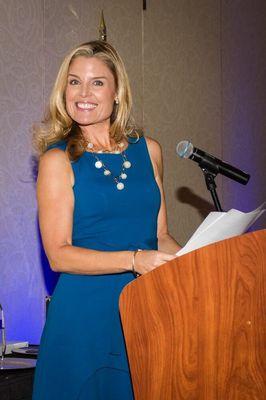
x=165, y=241
x=56, y=204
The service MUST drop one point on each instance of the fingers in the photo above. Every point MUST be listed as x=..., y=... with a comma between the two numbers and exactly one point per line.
x=147, y=260
x=167, y=256
x=162, y=258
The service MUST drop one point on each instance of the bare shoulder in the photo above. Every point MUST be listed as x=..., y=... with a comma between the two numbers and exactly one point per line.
x=55, y=159
x=54, y=156
x=155, y=152
x=155, y=149
x=153, y=146
x=55, y=163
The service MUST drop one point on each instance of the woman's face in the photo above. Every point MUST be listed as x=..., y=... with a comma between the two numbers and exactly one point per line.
x=90, y=92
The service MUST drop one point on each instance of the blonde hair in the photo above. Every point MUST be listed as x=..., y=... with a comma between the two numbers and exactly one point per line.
x=57, y=124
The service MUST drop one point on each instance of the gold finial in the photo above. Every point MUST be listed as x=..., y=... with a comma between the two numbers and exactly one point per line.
x=102, y=29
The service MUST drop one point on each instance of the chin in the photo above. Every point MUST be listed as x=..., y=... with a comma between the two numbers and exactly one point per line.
x=87, y=122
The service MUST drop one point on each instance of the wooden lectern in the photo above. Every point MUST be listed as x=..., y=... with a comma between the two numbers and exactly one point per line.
x=195, y=327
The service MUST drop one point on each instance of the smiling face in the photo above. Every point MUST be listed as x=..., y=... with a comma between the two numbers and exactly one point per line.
x=90, y=92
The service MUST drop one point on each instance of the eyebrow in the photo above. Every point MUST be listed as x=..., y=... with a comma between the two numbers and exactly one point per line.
x=94, y=77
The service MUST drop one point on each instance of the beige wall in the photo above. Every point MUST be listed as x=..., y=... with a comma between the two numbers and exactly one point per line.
x=182, y=98
x=244, y=99
x=21, y=102
x=205, y=80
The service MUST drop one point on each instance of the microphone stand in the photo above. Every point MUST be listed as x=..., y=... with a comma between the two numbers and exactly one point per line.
x=3, y=336
x=211, y=186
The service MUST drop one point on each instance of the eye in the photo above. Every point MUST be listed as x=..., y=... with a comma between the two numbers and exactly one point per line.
x=98, y=83
x=73, y=82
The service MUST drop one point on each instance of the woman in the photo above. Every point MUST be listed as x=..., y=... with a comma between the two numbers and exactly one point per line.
x=100, y=201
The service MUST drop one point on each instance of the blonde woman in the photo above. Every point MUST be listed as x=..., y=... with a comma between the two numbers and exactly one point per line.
x=100, y=200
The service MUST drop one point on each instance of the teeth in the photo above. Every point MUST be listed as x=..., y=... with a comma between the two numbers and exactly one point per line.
x=86, y=106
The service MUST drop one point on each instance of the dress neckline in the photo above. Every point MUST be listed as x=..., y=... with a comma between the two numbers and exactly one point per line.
x=95, y=153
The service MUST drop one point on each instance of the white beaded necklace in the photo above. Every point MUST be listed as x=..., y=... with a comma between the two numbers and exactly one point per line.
x=99, y=164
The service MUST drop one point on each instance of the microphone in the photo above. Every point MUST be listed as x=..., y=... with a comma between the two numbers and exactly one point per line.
x=185, y=149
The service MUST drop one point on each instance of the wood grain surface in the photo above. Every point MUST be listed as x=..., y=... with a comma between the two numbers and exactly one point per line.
x=195, y=327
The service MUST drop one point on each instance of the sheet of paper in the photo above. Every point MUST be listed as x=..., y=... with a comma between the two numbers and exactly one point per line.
x=221, y=225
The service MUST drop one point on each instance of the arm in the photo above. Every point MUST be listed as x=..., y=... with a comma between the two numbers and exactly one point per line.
x=165, y=241
x=56, y=204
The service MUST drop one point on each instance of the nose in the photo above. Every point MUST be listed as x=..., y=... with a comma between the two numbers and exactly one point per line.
x=85, y=90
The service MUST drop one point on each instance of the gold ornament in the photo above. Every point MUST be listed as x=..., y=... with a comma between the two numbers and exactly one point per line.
x=102, y=29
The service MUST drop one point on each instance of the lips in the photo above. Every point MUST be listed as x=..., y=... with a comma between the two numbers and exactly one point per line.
x=86, y=106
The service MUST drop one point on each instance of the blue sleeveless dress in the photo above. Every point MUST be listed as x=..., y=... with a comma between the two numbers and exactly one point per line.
x=82, y=353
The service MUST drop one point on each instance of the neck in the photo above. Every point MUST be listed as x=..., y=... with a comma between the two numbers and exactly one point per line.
x=98, y=135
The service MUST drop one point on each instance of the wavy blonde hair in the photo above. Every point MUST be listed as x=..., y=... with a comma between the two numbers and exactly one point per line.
x=57, y=125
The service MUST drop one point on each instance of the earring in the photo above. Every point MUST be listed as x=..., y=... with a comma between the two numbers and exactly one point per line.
x=116, y=101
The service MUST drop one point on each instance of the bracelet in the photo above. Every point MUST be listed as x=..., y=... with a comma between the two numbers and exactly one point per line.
x=136, y=274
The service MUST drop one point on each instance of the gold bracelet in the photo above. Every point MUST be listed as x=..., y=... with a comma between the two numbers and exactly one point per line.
x=136, y=274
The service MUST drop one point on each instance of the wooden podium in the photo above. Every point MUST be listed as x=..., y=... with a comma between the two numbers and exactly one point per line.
x=195, y=327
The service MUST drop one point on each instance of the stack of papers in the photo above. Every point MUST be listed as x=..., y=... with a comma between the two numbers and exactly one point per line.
x=13, y=345
x=221, y=225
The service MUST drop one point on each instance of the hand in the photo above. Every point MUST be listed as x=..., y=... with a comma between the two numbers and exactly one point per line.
x=147, y=260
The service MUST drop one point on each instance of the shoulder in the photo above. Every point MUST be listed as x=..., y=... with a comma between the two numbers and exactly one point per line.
x=61, y=144
x=54, y=156
x=154, y=148
x=155, y=152
x=153, y=144
x=55, y=164
x=54, y=153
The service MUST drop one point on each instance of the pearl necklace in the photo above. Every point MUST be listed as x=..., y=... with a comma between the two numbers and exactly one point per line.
x=99, y=164
x=116, y=150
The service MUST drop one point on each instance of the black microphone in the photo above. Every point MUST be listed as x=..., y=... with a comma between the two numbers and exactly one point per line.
x=185, y=149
